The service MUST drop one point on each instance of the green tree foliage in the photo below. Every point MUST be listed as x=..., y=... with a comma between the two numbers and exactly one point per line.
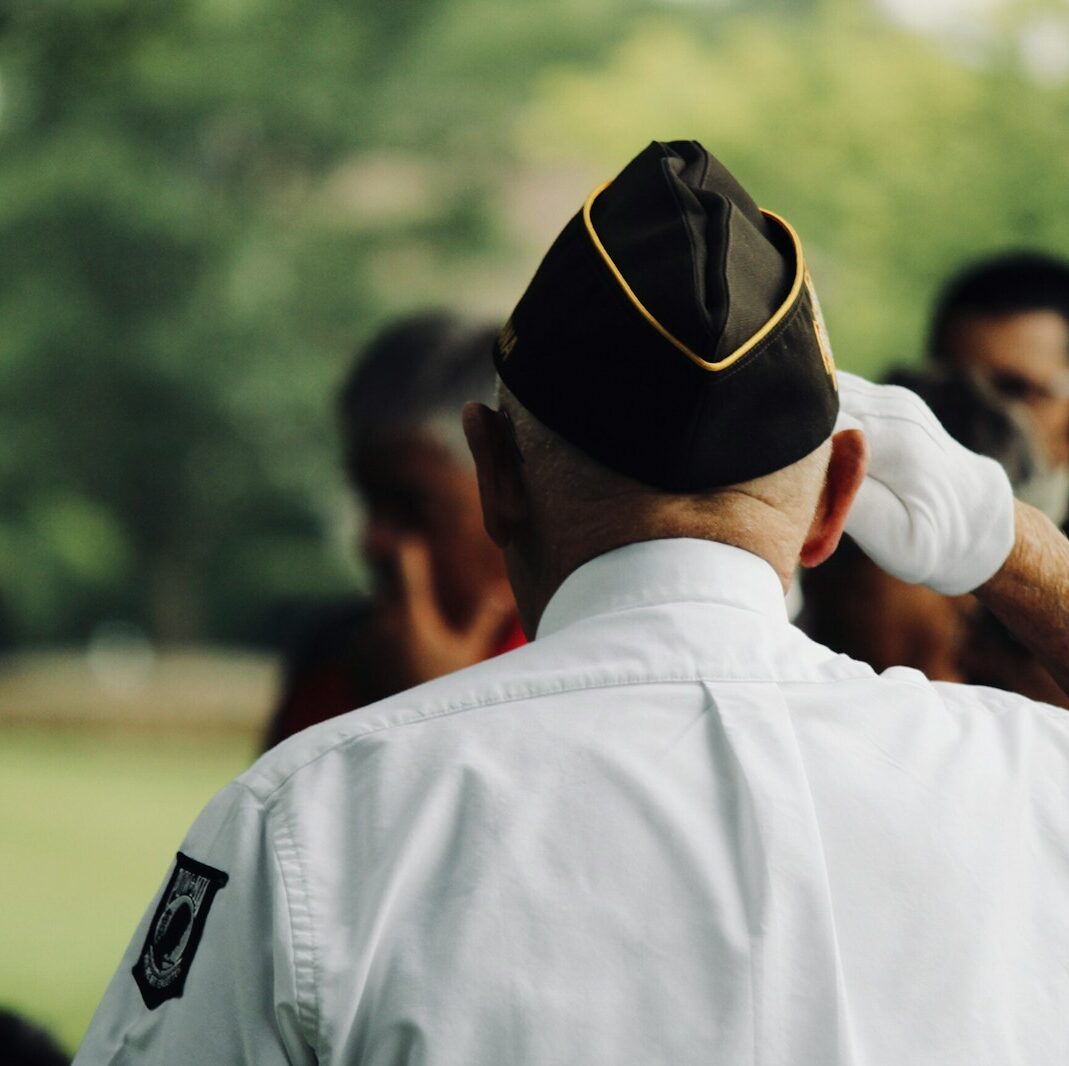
x=144, y=147
x=205, y=205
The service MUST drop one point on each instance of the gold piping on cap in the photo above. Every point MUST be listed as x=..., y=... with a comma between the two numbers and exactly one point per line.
x=738, y=353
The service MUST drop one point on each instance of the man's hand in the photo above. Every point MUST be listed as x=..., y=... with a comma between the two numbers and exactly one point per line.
x=929, y=511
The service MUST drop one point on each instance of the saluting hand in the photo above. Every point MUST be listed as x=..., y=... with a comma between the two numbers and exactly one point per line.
x=929, y=510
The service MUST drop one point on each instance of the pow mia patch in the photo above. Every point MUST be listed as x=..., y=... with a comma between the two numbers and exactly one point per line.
x=163, y=966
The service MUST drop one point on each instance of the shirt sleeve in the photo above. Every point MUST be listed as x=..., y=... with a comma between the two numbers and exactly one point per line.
x=209, y=974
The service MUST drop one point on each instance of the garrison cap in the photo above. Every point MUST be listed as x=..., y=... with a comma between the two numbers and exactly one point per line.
x=672, y=331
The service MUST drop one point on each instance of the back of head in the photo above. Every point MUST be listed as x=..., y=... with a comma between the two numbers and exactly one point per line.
x=573, y=495
x=414, y=377
x=1012, y=283
x=668, y=368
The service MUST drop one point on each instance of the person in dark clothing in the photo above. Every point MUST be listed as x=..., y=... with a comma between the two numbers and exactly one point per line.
x=24, y=1044
x=439, y=596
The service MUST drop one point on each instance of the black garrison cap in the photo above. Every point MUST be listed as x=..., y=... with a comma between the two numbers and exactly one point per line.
x=672, y=331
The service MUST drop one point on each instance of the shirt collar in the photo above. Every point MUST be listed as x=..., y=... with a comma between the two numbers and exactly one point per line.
x=665, y=571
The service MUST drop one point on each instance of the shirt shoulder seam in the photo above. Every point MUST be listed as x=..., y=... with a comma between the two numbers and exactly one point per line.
x=475, y=705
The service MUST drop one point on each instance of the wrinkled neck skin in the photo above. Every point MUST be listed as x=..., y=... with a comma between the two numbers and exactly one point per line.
x=550, y=511
x=562, y=538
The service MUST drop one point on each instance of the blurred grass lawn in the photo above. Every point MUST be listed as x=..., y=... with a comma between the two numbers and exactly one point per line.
x=91, y=822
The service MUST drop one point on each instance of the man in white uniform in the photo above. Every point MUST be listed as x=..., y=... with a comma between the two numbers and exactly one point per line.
x=672, y=830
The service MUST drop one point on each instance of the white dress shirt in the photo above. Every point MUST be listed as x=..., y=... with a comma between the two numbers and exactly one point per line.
x=672, y=830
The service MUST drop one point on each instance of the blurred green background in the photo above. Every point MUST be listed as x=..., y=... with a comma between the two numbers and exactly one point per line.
x=207, y=205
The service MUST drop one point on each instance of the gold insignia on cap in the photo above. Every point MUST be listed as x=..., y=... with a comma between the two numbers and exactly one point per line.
x=506, y=339
x=738, y=353
x=821, y=330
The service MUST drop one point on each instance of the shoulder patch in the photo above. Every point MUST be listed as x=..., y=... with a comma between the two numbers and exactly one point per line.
x=163, y=965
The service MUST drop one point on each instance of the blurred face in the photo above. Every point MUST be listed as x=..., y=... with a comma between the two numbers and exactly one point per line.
x=1025, y=359
x=414, y=486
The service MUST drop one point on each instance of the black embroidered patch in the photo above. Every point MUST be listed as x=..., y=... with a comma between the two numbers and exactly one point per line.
x=176, y=929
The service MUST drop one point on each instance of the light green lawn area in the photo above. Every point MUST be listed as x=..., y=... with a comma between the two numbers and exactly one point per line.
x=90, y=824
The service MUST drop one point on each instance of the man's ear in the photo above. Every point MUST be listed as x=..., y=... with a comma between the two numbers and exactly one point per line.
x=498, y=468
x=846, y=471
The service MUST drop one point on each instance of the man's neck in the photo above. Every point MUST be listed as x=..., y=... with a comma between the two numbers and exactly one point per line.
x=755, y=527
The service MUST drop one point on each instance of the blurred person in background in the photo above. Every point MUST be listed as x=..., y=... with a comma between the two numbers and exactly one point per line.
x=440, y=599
x=1004, y=321
x=22, y=1043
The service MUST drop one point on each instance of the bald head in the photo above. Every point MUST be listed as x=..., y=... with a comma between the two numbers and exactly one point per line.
x=573, y=495
x=552, y=507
